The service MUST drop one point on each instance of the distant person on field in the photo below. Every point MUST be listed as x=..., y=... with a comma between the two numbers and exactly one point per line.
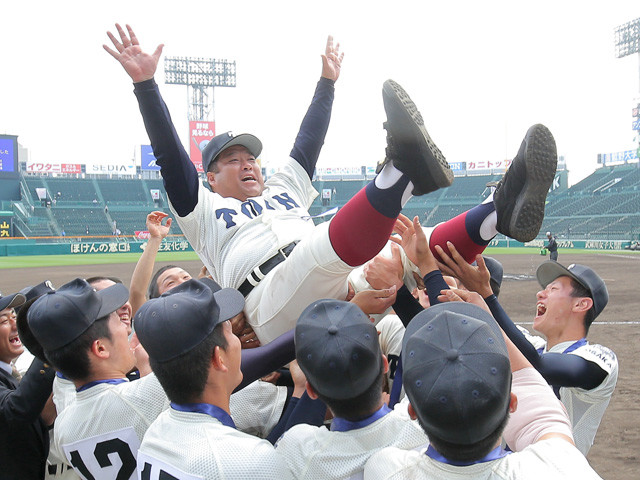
x=552, y=247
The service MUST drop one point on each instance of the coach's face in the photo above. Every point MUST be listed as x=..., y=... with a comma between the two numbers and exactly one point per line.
x=236, y=174
x=554, y=306
x=10, y=344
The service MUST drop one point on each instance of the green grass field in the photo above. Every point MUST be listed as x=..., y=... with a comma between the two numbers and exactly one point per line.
x=102, y=259
x=93, y=259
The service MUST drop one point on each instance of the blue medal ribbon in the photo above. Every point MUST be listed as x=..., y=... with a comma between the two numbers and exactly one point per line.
x=343, y=425
x=113, y=381
x=207, y=409
x=494, y=454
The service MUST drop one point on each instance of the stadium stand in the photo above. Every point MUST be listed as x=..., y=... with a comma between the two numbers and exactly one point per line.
x=604, y=205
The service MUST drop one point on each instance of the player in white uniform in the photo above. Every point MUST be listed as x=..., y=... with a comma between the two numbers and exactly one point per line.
x=458, y=377
x=583, y=375
x=82, y=335
x=198, y=366
x=338, y=350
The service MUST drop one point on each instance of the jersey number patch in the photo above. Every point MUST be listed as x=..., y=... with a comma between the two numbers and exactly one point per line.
x=112, y=455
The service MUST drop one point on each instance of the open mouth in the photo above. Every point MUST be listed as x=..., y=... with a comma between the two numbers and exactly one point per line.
x=125, y=319
x=540, y=309
x=249, y=178
x=15, y=341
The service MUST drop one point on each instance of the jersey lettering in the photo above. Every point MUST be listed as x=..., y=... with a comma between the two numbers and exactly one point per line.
x=150, y=468
x=252, y=209
x=286, y=201
x=111, y=455
x=393, y=364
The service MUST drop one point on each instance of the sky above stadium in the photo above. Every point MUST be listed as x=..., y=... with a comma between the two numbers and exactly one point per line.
x=480, y=72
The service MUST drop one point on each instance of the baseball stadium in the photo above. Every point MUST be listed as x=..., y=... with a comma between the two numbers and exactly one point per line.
x=45, y=220
x=80, y=220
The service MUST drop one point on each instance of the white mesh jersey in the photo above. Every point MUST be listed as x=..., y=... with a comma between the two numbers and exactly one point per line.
x=586, y=407
x=99, y=434
x=552, y=459
x=233, y=237
x=64, y=393
x=190, y=445
x=317, y=453
x=391, y=331
x=257, y=408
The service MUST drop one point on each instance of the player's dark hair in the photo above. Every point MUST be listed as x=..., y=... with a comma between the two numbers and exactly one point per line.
x=72, y=360
x=153, y=291
x=579, y=291
x=466, y=453
x=100, y=278
x=184, y=378
x=213, y=166
x=356, y=408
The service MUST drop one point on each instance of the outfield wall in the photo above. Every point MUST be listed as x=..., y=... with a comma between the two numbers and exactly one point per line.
x=17, y=248
x=31, y=247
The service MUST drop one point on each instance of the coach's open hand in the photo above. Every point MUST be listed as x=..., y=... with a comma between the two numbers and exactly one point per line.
x=139, y=65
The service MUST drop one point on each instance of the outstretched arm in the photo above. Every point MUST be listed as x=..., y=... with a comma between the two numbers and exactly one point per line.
x=24, y=405
x=144, y=268
x=315, y=124
x=179, y=174
x=556, y=368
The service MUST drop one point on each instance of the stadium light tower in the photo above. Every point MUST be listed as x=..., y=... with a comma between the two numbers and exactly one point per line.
x=627, y=42
x=201, y=76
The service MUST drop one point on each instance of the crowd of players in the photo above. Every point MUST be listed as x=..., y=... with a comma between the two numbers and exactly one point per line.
x=300, y=351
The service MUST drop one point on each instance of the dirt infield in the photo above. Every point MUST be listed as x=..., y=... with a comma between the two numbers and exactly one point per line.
x=615, y=453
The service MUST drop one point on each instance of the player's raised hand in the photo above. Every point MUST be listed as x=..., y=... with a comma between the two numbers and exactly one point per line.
x=458, y=295
x=155, y=227
x=474, y=278
x=383, y=272
x=415, y=244
x=139, y=65
x=332, y=60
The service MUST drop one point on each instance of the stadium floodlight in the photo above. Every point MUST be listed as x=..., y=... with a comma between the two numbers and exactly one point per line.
x=627, y=38
x=200, y=75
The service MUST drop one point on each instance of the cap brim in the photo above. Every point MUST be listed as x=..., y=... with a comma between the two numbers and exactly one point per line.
x=12, y=301
x=230, y=301
x=213, y=286
x=548, y=271
x=27, y=337
x=113, y=298
x=461, y=308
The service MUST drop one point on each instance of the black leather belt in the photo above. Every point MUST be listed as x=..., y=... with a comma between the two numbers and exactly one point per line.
x=260, y=272
x=57, y=468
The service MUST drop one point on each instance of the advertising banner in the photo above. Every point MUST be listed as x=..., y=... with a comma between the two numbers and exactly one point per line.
x=200, y=132
x=148, y=159
x=8, y=155
x=488, y=165
x=51, y=167
x=6, y=227
x=112, y=168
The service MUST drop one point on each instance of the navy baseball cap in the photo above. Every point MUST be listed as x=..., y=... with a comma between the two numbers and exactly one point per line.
x=12, y=301
x=59, y=317
x=26, y=336
x=180, y=319
x=337, y=348
x=456, y=372
x=548, y=271
x=225, y=140
x=36, y=291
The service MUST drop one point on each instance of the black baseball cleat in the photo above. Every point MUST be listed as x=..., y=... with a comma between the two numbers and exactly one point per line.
x=409, y=146
x=521, y=195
